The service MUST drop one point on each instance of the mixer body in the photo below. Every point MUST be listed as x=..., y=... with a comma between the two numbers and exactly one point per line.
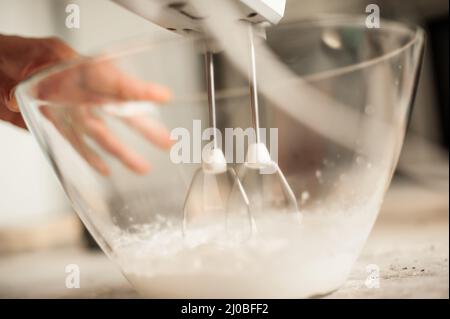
x=183, y=16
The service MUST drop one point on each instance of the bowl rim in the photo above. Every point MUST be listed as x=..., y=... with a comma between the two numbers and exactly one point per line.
x=324, y=20
x=126, y=47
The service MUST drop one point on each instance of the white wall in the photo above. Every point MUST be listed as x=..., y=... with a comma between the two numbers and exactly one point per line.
x=102, y=22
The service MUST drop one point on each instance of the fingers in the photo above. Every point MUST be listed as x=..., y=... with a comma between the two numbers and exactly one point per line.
x=85, y=122
x=97, y=82
x=89, y=155
x=104, y=78
x=134, y=89
x=105, y=139
x=152, y=130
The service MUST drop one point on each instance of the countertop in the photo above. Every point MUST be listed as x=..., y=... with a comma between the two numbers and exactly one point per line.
x=409, y=244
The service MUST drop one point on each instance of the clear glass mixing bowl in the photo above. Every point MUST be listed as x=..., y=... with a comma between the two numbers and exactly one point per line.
x=339, y=98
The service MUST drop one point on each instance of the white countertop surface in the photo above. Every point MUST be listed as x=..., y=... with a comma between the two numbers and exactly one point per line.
x=409, y=243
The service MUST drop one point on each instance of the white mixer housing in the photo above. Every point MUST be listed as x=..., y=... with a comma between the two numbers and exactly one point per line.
x=181, y=17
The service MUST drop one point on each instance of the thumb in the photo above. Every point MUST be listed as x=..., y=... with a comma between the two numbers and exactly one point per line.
x=11, y=103
x=7, y=90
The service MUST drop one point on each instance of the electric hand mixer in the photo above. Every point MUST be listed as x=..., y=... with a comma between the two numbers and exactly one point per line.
x=216, y=195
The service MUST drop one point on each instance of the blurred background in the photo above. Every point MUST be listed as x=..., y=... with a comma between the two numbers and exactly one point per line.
x=34, y=213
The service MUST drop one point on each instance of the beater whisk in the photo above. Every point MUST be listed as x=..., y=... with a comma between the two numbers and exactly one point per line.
x=208, y=195
x=265, y=184
x=217, y=197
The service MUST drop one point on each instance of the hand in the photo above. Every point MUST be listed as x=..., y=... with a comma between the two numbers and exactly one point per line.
x=20, y=58
x=83, y=85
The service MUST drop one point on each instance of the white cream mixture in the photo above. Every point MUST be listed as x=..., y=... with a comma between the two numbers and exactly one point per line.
x=283, y=260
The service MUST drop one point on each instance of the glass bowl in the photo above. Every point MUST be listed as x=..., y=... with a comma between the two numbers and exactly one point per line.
x=334, y=103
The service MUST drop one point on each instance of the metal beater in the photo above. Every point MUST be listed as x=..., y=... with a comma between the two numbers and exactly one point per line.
x=207, y=199
x=264, y=182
